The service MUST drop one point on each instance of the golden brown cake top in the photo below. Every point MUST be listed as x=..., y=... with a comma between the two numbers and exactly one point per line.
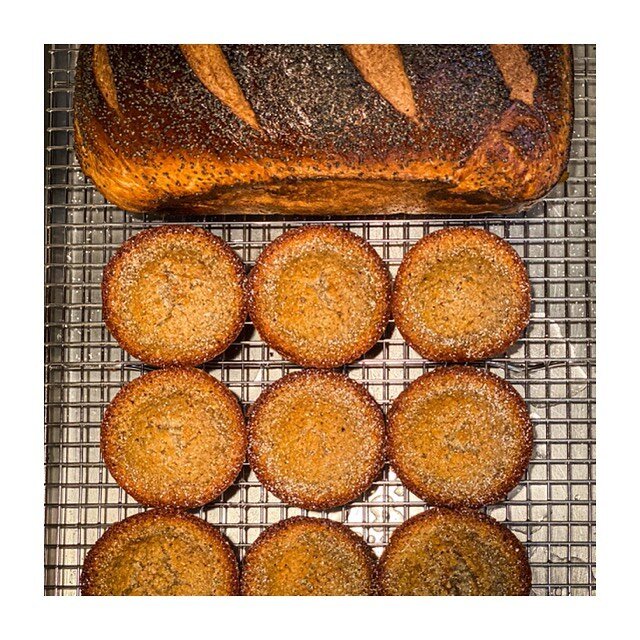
x=461, y=294
x=316, y=439
x=174, y=437
x=320, y=296
x=309, y=557
x=160, y=552
x=443, y=552
x=459, y=436
x=174, y=295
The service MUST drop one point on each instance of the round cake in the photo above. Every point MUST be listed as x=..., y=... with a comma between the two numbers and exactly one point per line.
x=174, y=437
x=160, y=553
x=174, y=295
x=442, y=552
x=459, y=436
x=316, y=439
x=461, y=294
x=309, y=557
x=319, y=296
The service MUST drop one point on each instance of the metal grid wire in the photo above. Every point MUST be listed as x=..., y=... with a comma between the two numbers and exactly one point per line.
x=552, y=510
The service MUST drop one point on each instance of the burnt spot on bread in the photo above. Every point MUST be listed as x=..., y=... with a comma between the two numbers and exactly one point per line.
x=524, y=137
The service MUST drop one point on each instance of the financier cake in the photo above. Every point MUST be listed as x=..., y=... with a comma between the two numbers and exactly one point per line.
x=442, y=552
x=174, y=437
x=461, y=294
x=319, y=296
x=174, y=295
x=316, y=439
x=459, y=436
x=160, y=553
x=309, y=557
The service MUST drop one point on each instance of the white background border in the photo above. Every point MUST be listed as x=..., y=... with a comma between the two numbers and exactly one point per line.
x=28, y=26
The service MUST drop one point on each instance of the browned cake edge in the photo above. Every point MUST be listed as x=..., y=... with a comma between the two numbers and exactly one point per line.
x=136, y=243
x=121, y=529
x=500, y=531
x=274, y=339
x=274, y=530
x=272, y=484
x=475, y=376
x=495, y=245
x=129, y=485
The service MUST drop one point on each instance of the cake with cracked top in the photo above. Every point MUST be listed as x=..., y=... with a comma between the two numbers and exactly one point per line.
x=174, y=437
x=319, y=295
x=160, y=553
x=174, y=295
x=316, y=439
x=460, y=437
x=305, y=556
x=461, y=294
x=442, y=552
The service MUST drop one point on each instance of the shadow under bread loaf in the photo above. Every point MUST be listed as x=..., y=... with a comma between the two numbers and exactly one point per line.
x=161, y=552
x=444, y=552
x=460, y=437
x=305, y=556
x=174, y=437
x=174, y=295
x=319, y=295
x=323, y=129
x=461, y=294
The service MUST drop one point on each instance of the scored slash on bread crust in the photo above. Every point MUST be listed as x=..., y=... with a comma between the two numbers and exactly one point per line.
x=461, y=294
x=513, y=62
x=211, y=67
x=174, y=437
x=316, y=439
x=160, y=552
x=174, y=295
x=454, y=552
x=459, y=437
x=319, y=295
x=309, y=556
x=381, y=65
x=104, y=76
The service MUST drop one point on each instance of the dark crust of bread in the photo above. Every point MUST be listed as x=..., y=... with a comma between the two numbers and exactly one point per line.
x=500, y=532
x=336, y=237
x=474, y=378
x=89, y=579
x=466, y=349
x=363, y=549
x=328, y=142
x=130, y=481
x=111, y=315
x=278, y=485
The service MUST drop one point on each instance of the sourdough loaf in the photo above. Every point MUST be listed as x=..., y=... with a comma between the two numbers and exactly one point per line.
x=323, y=129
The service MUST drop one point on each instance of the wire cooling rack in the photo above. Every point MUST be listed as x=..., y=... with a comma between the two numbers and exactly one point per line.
x=552, y=510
